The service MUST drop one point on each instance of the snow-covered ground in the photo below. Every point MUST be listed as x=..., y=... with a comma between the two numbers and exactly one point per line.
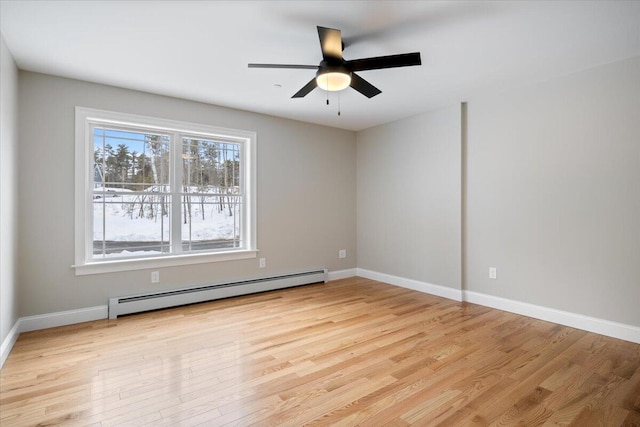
x=123, y=223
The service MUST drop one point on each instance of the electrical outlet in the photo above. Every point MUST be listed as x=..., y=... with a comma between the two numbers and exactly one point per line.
x=493, y=273
x=263, y=262
x=155, y=277
x=342, y=253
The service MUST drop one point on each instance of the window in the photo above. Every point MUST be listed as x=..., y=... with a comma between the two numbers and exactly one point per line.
x=153, y=192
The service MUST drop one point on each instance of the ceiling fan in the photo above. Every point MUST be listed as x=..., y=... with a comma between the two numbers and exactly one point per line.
x=334, y=73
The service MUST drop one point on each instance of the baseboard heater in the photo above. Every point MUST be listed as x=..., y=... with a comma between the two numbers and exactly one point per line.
x=138, y=303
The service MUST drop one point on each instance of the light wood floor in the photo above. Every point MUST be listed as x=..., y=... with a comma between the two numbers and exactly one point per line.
x=349, y=352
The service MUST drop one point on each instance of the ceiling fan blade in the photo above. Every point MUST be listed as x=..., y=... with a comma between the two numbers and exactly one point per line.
x=379, y=62
x=304, y=67
x=330, y=42
x=363, y=86
x=306, y=89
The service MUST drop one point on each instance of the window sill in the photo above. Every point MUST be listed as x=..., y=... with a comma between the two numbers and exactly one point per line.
x=159, y=262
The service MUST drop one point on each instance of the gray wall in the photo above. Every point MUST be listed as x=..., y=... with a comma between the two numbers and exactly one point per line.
x=554, y=193
x=409, y=198
x=306, y=194
x=8, y=190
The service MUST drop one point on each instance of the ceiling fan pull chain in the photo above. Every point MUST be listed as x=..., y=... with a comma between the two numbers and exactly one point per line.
x=327, y=77
x=338, y=104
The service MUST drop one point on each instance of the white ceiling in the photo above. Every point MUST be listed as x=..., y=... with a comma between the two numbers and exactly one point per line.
x=199, y=50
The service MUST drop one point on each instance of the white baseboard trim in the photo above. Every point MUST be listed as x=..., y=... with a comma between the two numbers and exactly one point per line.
x=62, y=318
x=50, y=320
x=8, y=342
x=427, y=288
x=578, y=321
x=342, y=274
x=586, y=323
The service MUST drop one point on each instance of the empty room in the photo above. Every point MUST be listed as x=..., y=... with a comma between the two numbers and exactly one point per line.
x=376, y=213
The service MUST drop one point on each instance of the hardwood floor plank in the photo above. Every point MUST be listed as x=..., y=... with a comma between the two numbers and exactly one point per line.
x=344, y=353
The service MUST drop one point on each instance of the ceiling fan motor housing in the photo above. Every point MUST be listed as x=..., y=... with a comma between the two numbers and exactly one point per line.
x=333, y=75
x=332, y=66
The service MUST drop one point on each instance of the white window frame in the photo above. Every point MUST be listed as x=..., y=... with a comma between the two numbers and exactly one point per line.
x=85, y=118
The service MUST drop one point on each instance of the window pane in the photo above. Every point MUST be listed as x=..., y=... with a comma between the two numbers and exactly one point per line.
x=126, y=224
x=210, y=167
x=211, y=199
x=130, y=213
x=136, y=161
x=211, y=222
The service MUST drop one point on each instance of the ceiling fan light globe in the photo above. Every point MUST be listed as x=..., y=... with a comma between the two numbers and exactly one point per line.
x=333, y=81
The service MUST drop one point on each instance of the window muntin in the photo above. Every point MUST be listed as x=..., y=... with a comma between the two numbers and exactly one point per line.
x=157, y=189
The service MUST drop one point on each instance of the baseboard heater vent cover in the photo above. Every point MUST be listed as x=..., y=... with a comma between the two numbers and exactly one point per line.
x=138, y=303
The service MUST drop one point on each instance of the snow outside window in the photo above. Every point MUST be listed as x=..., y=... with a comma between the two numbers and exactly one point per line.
x=152, y=192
